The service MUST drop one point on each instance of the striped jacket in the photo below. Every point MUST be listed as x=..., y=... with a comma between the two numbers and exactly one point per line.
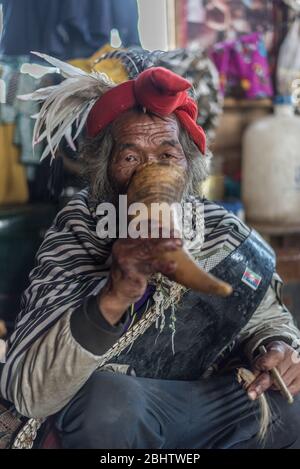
x=45, y=365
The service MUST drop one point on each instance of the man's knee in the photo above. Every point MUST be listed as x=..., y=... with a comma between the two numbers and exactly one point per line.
x=108, y=413
x=111, y=428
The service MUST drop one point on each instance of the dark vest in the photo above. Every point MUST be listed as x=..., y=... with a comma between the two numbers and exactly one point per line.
x=206, y=325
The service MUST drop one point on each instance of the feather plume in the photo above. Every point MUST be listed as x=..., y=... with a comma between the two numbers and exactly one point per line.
x=247, y=377
x=66, y=70
x=65, y=107
x=37, y=71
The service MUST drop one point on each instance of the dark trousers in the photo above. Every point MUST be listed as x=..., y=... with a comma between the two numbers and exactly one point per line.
x=115, y=411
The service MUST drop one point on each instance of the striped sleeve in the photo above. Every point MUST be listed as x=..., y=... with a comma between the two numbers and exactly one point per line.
x=70, y=266
x=271, y=321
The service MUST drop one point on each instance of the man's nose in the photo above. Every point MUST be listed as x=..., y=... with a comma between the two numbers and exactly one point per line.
x=151, y=157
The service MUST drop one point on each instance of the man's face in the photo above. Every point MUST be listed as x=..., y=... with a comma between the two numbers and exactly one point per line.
x=142, y=138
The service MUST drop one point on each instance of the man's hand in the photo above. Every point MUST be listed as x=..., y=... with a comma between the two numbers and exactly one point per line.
x=286, y=360
x=134, y=261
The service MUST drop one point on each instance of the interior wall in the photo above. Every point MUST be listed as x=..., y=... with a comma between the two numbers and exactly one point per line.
x=153, y=24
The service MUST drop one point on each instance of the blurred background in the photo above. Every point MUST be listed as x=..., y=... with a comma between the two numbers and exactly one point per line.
x=243, y=59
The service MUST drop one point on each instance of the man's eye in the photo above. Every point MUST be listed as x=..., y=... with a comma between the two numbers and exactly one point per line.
x=130, y=158
x=167, y=156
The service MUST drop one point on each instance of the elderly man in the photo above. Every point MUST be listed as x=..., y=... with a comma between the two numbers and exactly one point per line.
x=120, y=355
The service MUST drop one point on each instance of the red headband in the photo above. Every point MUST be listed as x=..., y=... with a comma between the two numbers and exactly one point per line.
x=159, y=91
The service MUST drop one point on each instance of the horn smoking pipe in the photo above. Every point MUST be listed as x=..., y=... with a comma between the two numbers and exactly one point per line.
x=164, y=183
x=278, y=379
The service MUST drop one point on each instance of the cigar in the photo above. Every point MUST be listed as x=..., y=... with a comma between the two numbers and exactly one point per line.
x=278, y=380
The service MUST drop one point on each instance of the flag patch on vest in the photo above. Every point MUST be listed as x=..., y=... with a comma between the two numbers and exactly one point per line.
x=251, y=279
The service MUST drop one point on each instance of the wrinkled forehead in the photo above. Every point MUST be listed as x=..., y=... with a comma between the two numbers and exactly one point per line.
x=135, y=124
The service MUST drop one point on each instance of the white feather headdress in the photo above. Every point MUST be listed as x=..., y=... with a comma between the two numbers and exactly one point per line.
x=66, y=106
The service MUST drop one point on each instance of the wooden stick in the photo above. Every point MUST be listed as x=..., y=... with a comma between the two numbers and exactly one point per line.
x=278, y=380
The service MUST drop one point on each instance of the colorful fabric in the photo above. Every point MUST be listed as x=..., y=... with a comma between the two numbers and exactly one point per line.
x=243, y=67
x=157, y=90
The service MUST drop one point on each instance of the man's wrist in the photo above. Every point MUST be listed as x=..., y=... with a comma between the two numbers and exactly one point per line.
x=111, y=306
x=91, y=330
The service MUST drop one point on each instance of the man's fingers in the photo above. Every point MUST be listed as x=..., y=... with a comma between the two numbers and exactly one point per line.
x=294, y=387
x=166, y=244
x=157, y=247
x=292, y=374
x=273, y=358
x=262, y=383
x=165, y=267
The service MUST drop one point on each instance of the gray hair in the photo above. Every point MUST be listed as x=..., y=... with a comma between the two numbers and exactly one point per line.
x=96, y=152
